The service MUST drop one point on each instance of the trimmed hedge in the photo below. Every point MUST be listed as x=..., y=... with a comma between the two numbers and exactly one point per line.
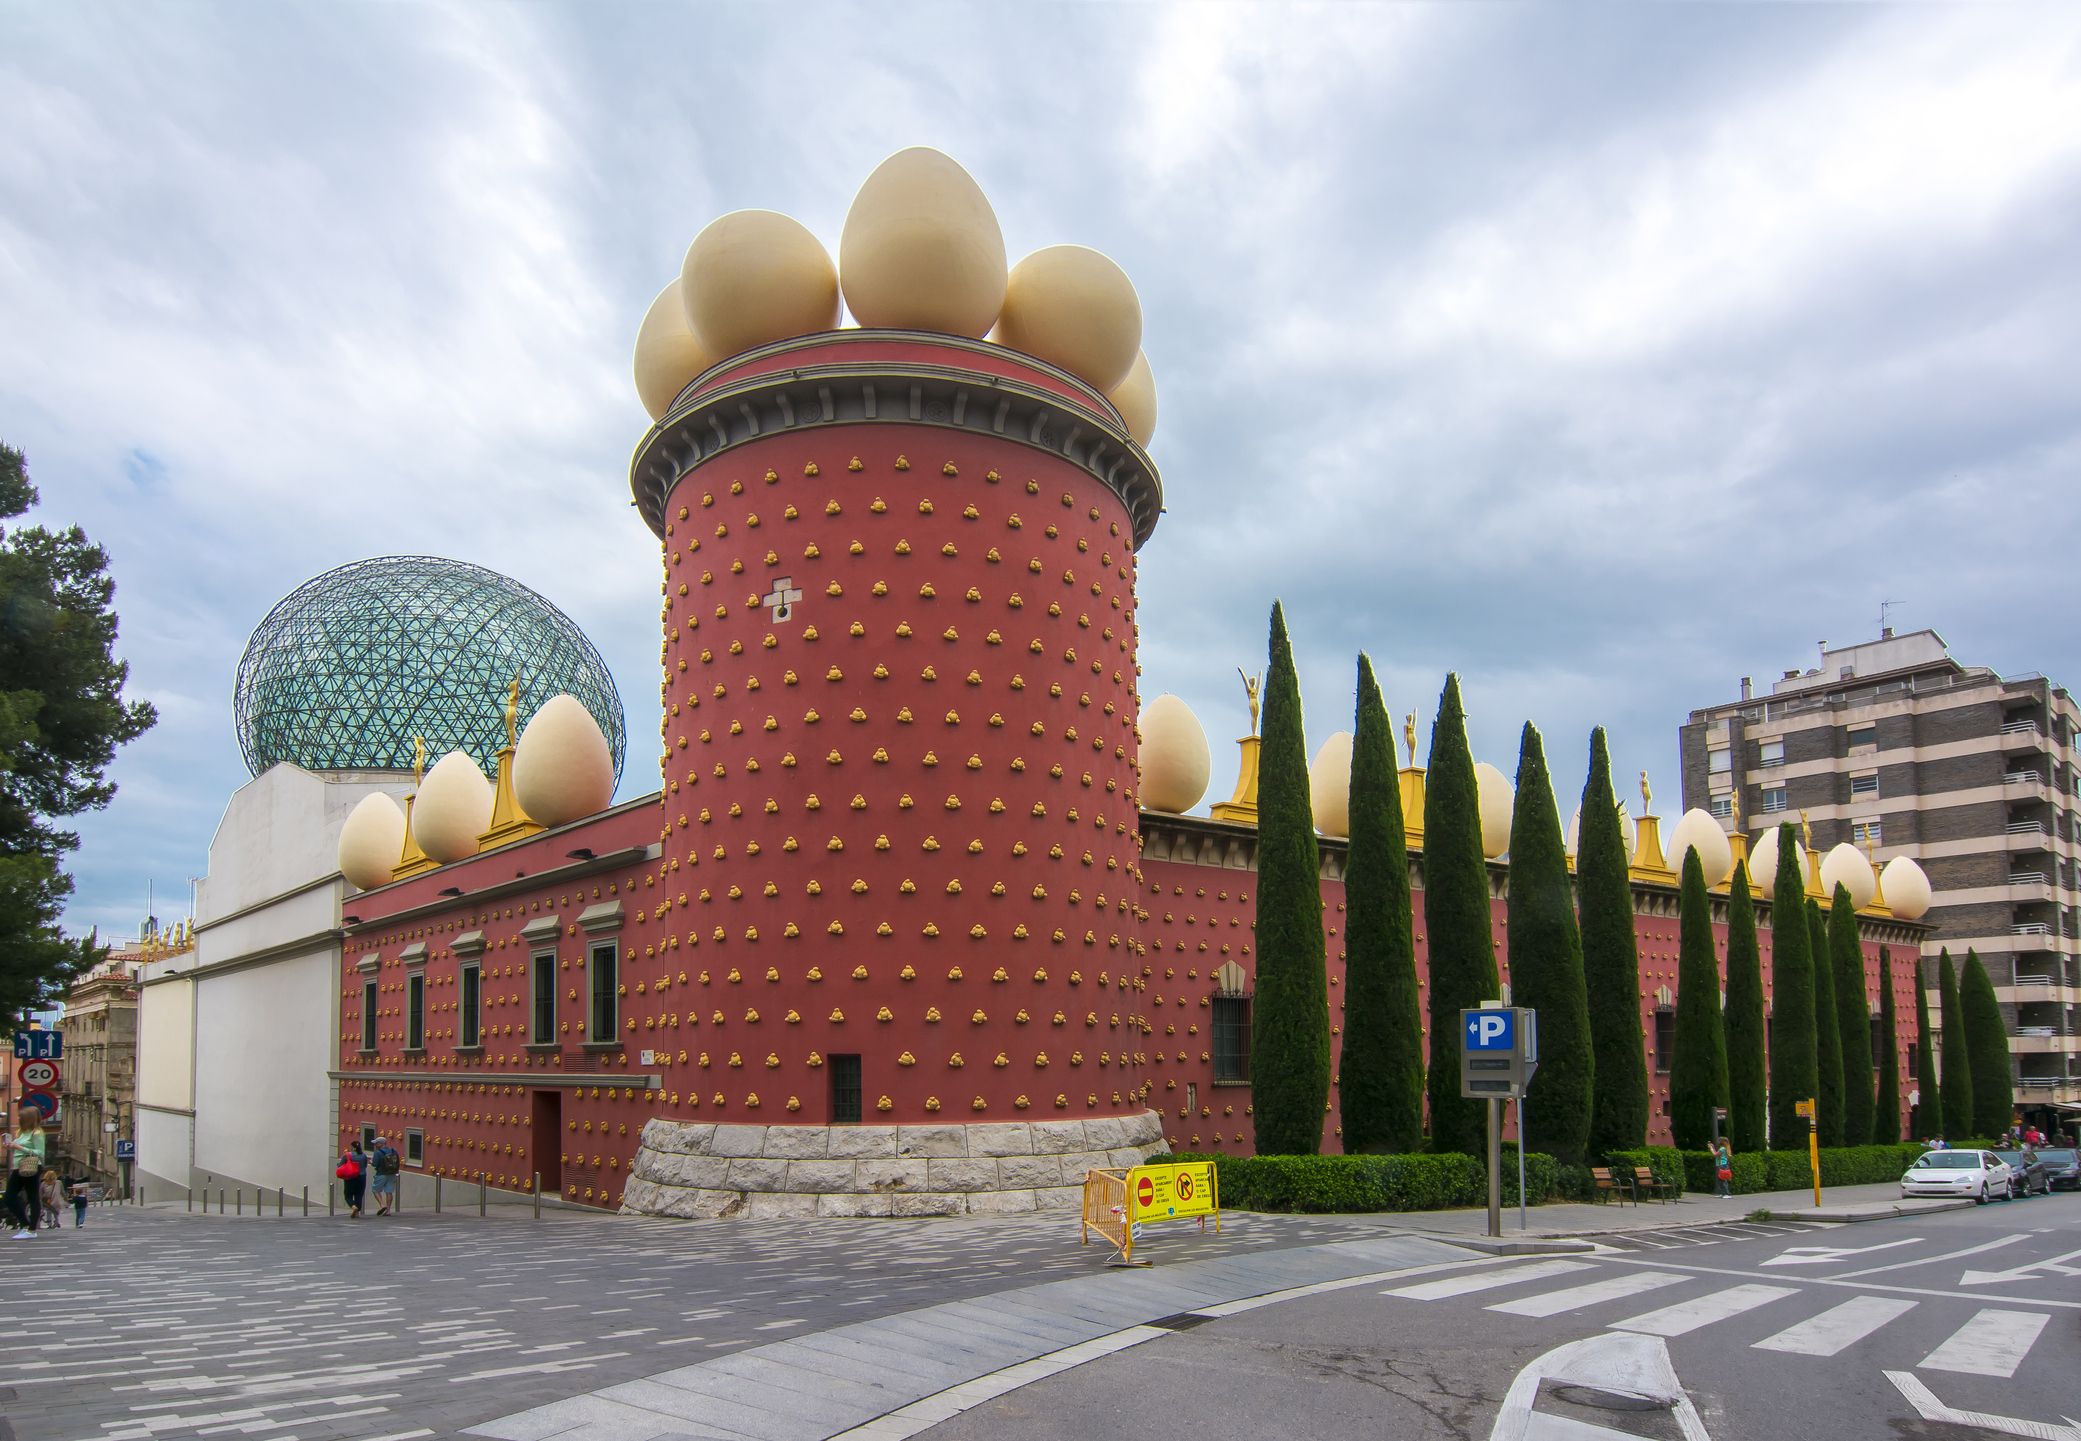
x=1418, y=1182
x=1666, y=1162
x=1749, y=1169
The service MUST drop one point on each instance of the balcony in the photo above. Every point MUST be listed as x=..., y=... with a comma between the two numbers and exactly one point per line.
x=2028, y=886
x=2030, y=928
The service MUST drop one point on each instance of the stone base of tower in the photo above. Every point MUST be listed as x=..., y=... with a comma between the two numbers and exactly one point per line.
x=701, y=1171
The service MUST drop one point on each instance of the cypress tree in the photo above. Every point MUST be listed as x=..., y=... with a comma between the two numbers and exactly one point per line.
x=1546, y=963
x=1885, y=1116
x=1380, y=1076
x=1610, y=965
x=1456, y=920
x=1747, y=1077
x=1929, y=1106
x=1852, y=1017
x=1290, y=1023
x=1793, y=1070
x=1987, y=1048
x=1698, y=1072
x=1828, y=1049
x=1957, y=1078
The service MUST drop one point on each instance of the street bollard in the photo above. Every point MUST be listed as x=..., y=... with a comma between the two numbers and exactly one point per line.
x=537, y=1191
x=437, y=1195
x=480, y=1197
x=332, y=1194
x=307, y=1201
x=238, y=1202
x=281, y=1197
x=191, y=1201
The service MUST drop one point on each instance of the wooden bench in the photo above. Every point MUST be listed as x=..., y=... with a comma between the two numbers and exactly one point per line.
x=1644, y=1181
x=1609, y=1184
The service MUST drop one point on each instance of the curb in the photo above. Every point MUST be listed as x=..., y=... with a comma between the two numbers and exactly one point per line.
x=1509, y=1246
x=1870, y=1213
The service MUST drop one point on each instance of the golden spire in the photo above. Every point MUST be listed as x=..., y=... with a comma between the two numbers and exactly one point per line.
x=1648, y=863
x=1877, y=904
x=509, y=822
x=411, y=860
x=1411, y=780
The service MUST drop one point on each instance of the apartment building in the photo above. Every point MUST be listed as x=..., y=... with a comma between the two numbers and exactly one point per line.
x=1896, y=745
x=99, y=1068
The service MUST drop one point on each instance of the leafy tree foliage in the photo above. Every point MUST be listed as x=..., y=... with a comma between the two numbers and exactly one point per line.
x=1461, y=945
x=1380, y=1073
x=1794, y=1072
x=62, y=715
x=1546, y=963
x=1290, y=1022
x=1747, y=1067
x=1987, y=1049
x=1611, y=965
x=1698, y=1073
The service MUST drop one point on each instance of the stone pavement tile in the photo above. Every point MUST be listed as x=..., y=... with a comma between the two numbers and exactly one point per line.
x=969, y=1350
x=594, y=1418
x=853, y=1343
x=835, y=1366
x=835, y=1412
x=1022, y=1320
x=872, y=1394
x=983, y=1328
x=760, y=1421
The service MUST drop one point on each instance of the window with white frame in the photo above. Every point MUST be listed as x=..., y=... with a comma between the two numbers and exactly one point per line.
x=1865, y=785
x=1719, y=762
x=1720, y=807
x=1863, y=831
x=1770, y=753
x=1773, y=799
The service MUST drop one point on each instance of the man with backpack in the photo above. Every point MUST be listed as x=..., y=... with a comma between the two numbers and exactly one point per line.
x=383, y=1161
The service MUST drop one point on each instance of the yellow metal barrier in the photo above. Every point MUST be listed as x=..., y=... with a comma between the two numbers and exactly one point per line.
x=1105, y=1211
x=1117, y=1203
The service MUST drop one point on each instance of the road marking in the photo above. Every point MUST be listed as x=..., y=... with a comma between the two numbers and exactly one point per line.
x=1924, y=1400
x=1823, y=1255
x=1613, y=1361
x=1993, y=1343
x=1932, y=1260
x=1687, y=1316
x=1574, y=1298
x=1695, y=1269
x=2023, y=1273
x=1838, y=1328
x=1486, y=1280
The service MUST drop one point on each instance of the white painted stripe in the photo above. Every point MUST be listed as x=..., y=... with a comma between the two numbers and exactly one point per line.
x=1486, y=1280
x=1838, y=1328
x=1925, y=1401
x=1687, y=1316
x=1574, y=1298
x=1993, y=1343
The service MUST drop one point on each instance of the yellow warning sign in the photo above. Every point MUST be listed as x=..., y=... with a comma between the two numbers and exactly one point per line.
x=1166, y=1193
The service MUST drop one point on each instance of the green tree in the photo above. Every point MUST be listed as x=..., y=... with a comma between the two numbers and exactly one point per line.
x=1546, y=963
x=1929, y=1106
x=1885, y=1116
x=1957, y=1079
x=1380, y=1074
x=62, y=715
x=1852, y=1017
x=1987, y=1049
x=1611, y=965
x=1290, y=1022
x=1794, y=1072
x=1828, y=1049
x=1456, y=920
x=1698, y=1072
x=1747, y=1074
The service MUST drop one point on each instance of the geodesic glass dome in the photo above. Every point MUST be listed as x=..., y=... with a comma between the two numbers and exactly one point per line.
x=349, y=667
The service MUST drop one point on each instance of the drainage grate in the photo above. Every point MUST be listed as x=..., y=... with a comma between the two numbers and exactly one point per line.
x=1183, y=1321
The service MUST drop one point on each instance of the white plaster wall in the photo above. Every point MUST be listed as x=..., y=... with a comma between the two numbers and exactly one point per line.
x=165, y=1142
x=265, y=1041
x=165, y=1050
x=280, y=831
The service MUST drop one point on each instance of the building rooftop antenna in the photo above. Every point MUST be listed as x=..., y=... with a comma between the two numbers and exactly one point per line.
x=1885, y=618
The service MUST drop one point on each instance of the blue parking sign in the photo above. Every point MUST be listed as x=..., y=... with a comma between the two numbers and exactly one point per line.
x=1490, y=1031
x=126, y=1150
x=39, y=1045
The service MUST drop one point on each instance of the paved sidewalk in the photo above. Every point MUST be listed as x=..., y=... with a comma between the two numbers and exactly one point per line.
x=1839, y=1203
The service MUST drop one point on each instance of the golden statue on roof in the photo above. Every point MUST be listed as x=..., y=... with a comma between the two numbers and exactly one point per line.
x=1250, y=688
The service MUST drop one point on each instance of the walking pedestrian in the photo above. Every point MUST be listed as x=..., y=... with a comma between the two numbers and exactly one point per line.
x=353, y=1173
x=25, y=1157
x=79, y=1204
x=51, y=1193
x=384, y=1162
x=1722, y=1169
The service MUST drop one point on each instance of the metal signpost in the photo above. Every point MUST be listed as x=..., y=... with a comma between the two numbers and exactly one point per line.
x=1499, y=1053
x=1811, y=1111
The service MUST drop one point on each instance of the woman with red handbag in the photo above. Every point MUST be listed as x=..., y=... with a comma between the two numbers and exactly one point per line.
x=353, y=1173
x=1722, y=1169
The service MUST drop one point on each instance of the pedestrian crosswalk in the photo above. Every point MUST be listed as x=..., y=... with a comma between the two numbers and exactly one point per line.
x=1993, y=1341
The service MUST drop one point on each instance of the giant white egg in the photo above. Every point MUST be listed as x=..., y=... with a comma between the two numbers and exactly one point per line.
x=921, y=248
x=1846, y=866
x=1497, y=797
x=1175, y=760
x=372, y=840
x=1073, y=307
x=668, y=353
x=563, y=768
x=1696, y=830
x=1329, y=785
x=1907, y=888
x=453, y=808
x=1135, y=399
x=756, y=276
x=1763, y=862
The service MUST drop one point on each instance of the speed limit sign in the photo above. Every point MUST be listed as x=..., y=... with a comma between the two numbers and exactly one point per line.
x=39, y=1075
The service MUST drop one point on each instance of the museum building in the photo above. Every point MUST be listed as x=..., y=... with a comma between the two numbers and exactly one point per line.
x=918, y=920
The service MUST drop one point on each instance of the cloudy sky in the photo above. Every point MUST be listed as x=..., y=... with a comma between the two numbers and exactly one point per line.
x=1602, y=354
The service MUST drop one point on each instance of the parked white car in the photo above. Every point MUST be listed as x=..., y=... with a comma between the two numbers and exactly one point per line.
x=1978, y=1174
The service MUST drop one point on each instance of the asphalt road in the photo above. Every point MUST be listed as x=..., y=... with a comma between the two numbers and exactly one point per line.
x=1882, y=1330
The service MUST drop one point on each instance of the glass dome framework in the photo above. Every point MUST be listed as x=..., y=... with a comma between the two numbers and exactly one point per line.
x=347, y=668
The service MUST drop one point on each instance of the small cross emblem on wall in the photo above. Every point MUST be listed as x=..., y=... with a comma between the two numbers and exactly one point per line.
x=781, y=599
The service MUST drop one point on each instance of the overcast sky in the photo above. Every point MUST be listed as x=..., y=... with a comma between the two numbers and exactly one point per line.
x=1604, y=355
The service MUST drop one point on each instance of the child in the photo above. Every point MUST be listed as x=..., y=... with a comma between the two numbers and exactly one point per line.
x=51, y=1196
x=79, y=1204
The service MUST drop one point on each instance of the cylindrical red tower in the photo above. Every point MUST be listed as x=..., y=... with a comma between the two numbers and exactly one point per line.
x=899, y=833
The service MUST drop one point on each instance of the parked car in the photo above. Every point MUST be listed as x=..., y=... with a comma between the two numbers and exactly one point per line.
x=1981, y=1175
x=2062, y=1169
x=2026, y=1177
